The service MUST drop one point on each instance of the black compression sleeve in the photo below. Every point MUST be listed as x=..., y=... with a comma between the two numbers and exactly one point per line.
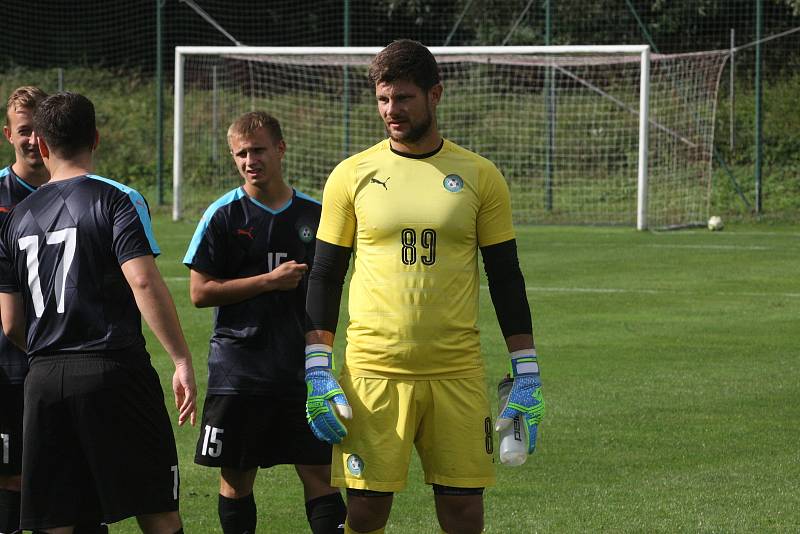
x=325, y=286
x=507, y=288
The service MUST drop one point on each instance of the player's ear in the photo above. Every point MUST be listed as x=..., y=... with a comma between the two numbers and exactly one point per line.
x=7, y=133
x=44, y=150
x=281, y=146
x=96, y=140
x=435, y=93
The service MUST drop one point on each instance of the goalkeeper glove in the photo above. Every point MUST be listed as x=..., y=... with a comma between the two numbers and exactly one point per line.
x=525, y=398
x=325, y=396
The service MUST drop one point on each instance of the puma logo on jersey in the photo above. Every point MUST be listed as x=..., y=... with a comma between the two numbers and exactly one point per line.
x=246, y=232
x=376, y=181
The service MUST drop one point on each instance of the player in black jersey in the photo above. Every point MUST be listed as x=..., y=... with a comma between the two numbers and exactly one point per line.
x=17, y=181
x=249, y=257
x=76, y=269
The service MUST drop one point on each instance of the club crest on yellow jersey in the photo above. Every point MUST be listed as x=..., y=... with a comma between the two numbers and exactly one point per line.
x=453, y=183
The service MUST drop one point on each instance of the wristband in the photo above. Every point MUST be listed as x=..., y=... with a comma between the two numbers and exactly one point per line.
x=319, y=355
x=523, y=362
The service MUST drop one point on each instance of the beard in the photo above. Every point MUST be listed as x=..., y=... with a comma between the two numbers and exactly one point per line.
x=416, y=132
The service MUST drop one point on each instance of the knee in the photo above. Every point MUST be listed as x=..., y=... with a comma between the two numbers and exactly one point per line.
x=462, y=524
x=368, y=511
x=236, y=484
x=160, y=523
x=460, y=514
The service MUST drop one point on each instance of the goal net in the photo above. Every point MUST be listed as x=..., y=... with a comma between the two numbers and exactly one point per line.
x=606, y=135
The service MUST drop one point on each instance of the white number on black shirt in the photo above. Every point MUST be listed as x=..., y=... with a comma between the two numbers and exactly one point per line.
x=30, y=244
x=212, y=442
x=4, y=437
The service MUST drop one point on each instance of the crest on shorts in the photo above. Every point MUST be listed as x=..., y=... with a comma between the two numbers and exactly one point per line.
x=355, y=465
x=453, y=183
x=306, y=233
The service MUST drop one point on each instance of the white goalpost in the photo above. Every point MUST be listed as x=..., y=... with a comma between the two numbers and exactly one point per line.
x=583, y=134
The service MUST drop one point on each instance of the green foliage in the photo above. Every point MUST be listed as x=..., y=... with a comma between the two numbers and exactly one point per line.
x=781, y=150
x=780, y=122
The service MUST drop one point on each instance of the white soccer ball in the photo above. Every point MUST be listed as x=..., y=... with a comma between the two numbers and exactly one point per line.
x=715, y=223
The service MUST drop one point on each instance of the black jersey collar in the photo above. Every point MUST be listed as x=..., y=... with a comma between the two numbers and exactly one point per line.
x=20, y=180
x=417, y=156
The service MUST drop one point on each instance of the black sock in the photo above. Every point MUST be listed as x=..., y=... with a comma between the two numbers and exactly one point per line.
x=327, y=514
x=9, y=510
x=237, y=516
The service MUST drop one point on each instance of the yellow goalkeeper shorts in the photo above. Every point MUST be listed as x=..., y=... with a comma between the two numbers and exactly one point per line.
x=448, y=421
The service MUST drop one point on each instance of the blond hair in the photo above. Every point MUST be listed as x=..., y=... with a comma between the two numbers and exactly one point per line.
x=248, y=123
x=25, y=97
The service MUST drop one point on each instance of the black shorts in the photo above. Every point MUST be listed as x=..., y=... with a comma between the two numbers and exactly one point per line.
x=248, y=431
x=98, y=441
x=11, y=396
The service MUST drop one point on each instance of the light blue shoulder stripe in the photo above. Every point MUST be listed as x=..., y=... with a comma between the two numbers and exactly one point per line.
x=306, y=197
x=228, y=198
x=139, y=205
x=7, y=172
x=26, y=185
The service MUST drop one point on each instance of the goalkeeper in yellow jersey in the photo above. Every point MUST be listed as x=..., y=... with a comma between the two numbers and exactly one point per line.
x=414, y=210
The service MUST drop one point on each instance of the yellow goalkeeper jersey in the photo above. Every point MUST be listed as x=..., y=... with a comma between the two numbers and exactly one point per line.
x=415, y=225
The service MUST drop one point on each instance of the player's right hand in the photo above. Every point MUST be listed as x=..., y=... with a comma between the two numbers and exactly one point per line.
x=185, y=390
x=325, y=402
x=287, y=275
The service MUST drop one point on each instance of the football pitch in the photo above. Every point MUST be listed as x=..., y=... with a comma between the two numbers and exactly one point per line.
x=671, y=371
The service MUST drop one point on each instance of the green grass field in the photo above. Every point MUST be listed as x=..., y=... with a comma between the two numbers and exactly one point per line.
x=670, y=364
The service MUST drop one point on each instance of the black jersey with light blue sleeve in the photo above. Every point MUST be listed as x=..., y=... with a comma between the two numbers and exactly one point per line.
x=13, y=362
x=258, y=344
x=62, y=248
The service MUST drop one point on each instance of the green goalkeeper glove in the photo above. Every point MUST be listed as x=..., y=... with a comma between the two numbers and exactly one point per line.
x=325, y=396
x=525, y=398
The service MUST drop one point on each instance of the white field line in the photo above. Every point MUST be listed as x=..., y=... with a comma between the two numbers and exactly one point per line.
x=711, y=247
x=666, y=245
x=603, y=290
x=649, y=291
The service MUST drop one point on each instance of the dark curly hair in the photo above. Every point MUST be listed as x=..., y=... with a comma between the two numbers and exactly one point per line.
x=405, y=60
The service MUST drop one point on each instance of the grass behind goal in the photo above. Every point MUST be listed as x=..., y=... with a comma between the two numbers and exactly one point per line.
x=670, y=365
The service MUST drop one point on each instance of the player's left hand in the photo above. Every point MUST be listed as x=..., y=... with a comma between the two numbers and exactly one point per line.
x=524, y=400
x=185, y=390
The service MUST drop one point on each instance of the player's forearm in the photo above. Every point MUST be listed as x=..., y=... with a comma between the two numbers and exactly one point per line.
x=159, y=313
x=206, y=291
x=325, y=288
x=507, y=290
x=519, y=342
